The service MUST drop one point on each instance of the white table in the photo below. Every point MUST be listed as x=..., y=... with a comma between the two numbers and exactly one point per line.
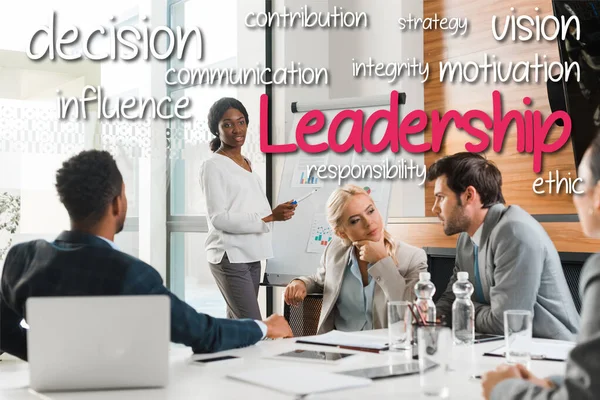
x=188, y=381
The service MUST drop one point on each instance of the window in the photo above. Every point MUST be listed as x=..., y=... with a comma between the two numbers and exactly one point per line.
x=226, y=46
x=34, y=142
x=159, y=161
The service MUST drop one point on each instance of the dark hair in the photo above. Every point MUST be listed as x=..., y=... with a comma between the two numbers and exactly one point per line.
x=468, y=169
x=594, y=159
x=215, y=114
x=87, y=183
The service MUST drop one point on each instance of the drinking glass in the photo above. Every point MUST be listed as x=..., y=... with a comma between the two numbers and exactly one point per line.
x=399, y=325
x=435, y=353
x=517, y=336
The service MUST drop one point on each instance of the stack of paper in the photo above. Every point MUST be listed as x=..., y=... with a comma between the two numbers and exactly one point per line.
x=300, y=381
x=555, y=350
x=349, y=339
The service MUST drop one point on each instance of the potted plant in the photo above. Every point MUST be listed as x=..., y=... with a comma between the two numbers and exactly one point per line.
x=10, y=211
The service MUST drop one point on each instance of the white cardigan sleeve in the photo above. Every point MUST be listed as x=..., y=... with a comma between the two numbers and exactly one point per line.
x=215, y=185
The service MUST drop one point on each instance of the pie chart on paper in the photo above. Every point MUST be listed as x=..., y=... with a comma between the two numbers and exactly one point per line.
x=375, y=190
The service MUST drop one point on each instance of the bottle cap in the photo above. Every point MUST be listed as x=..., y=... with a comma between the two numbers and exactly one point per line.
x=463, y=276
x=424, y=276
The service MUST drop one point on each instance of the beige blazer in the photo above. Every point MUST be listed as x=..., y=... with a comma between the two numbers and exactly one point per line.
x=393, y=282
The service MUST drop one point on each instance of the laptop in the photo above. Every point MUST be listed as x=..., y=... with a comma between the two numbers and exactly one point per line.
x=100, y=342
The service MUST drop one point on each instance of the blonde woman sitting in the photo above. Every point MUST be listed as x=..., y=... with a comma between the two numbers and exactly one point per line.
x=361, y=269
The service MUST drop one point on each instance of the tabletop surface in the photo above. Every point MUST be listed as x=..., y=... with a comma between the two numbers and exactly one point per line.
x=192, y=381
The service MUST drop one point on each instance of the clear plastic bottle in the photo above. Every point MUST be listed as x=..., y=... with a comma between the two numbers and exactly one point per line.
x=425, y=289
x=463, y=311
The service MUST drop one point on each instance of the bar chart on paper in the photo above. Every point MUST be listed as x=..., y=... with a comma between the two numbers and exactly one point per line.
x=305, y=172
x=308, y=180
x=320, y=234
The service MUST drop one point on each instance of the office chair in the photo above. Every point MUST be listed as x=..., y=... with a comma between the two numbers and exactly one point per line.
x=304, y=318
x=572, y=273
x=440, y=264
x=572, y=263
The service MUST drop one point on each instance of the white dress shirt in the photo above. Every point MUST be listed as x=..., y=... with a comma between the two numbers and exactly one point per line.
x=355, y=303
x=235, y=205
x=476, y=238
x=110, y=242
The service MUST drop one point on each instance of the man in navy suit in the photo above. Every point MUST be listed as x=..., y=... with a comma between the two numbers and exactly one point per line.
x=85, y=262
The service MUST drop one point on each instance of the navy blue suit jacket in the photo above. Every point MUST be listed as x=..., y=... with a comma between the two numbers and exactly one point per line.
x=80, y=264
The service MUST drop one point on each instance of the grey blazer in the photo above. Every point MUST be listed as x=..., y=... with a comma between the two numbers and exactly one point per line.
x=393, y=282
x=583, y=369
x=519, y=268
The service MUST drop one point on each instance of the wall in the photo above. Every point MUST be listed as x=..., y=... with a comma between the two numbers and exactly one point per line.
x=335, y=50
x=384, y=43
x=38, y=81
x=517, y=169
x=295, y=45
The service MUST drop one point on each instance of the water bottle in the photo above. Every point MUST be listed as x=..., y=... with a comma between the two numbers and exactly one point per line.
x=425, y=289
x=463, y=311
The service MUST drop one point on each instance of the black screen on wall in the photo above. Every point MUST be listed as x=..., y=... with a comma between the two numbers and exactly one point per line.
x=581, y=98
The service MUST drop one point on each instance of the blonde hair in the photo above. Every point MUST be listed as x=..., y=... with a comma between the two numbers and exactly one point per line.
x=335, y=210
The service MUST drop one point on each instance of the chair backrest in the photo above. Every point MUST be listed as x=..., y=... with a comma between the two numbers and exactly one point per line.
x=304, y=318
x=572, y=264
x=572, y=275
x=440, y=264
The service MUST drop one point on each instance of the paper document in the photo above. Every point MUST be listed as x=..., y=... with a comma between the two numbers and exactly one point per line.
x=305, y=171
x=552, y=350
x=300, y=381
x=320, y=234
x=350, y=339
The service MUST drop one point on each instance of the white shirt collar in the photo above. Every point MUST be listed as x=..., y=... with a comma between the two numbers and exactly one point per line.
x=219, y=156
x=112, y=244
x=476, y=238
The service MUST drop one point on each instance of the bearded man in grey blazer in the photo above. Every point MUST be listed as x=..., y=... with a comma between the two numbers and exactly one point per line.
x=510, y=259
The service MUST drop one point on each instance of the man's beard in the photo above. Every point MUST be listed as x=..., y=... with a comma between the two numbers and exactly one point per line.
x=457, y=223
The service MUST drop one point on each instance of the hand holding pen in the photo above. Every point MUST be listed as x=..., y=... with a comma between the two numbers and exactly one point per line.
x=284, y=211
x=296, y=201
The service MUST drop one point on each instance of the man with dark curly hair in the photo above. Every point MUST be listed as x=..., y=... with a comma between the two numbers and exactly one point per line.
x=85, y=262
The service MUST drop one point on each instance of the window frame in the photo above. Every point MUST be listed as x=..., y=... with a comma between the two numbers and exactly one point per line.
x=177, y=223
